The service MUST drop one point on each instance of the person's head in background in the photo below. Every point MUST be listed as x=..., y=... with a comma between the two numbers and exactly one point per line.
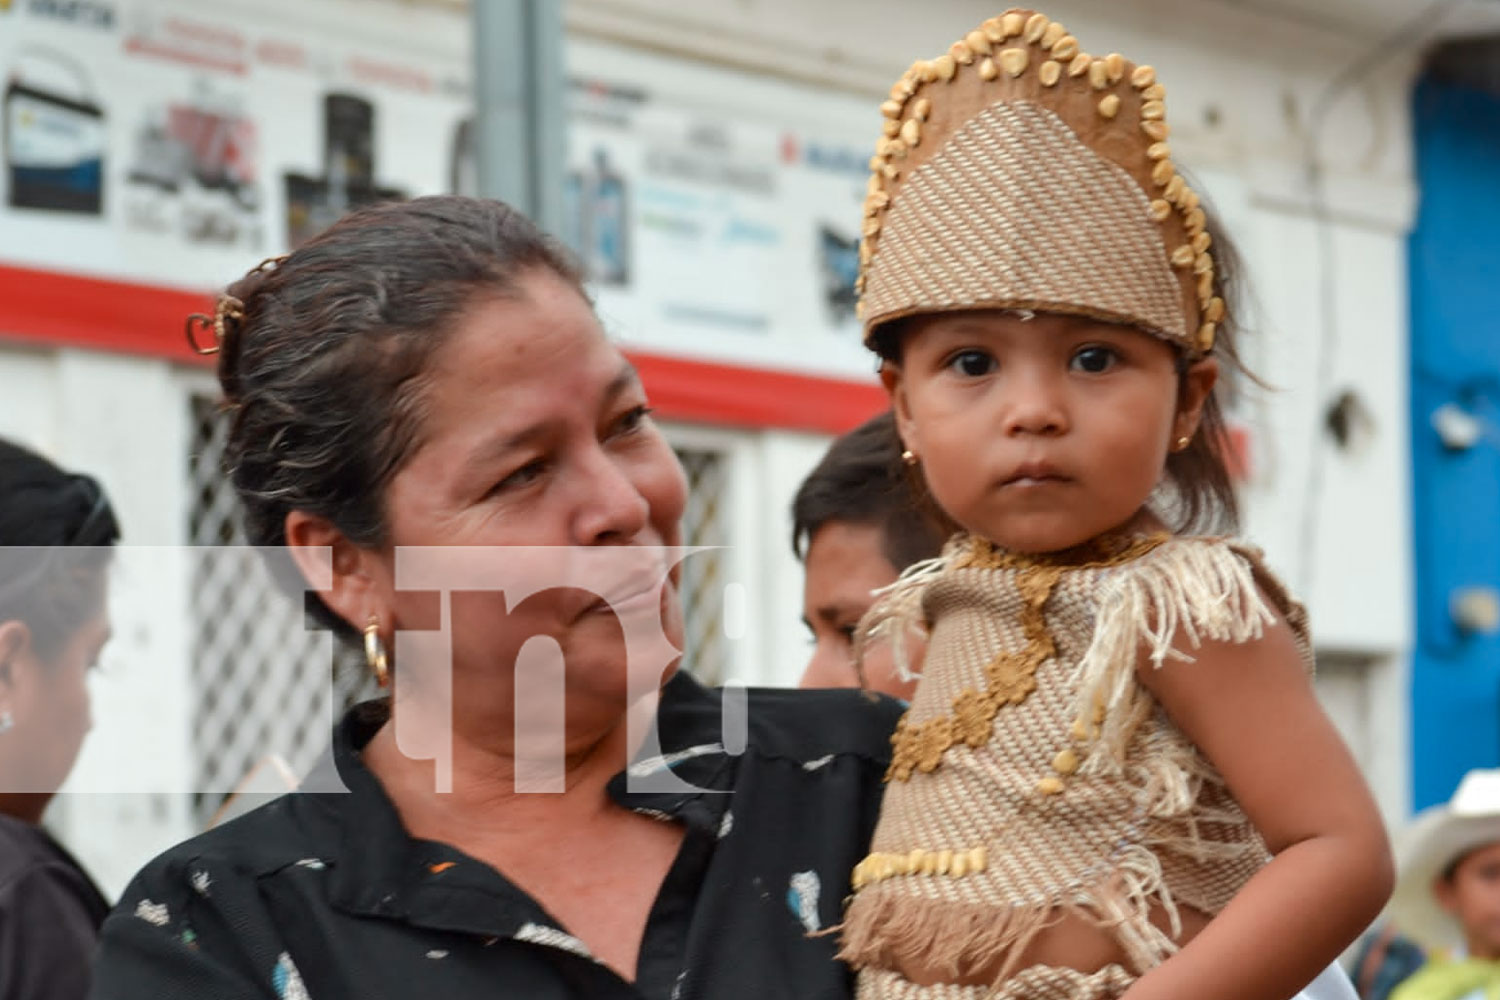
x=1448, y=889
x=857, y=523
x=56, y=529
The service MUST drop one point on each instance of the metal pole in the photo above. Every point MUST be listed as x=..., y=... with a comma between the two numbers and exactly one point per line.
x=520, y=131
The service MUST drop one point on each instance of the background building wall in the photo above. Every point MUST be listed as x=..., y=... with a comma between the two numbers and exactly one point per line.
x=1251, y=110
x=1456, y=374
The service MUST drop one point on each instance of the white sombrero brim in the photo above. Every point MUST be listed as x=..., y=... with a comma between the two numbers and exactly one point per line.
x=1435, y=839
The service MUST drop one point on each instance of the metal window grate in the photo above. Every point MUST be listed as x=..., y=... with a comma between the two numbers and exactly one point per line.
x=705, y=523
x=261, y=680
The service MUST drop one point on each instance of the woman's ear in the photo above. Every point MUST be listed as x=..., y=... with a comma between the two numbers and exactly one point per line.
x=15, y=645
x=354, y=582
x=1196, y=386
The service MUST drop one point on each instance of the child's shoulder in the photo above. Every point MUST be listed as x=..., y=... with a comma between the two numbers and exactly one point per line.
x=1192, y=588
x=1223, y=562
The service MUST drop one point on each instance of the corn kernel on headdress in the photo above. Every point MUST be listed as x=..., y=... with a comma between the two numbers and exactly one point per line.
x=1016, y=171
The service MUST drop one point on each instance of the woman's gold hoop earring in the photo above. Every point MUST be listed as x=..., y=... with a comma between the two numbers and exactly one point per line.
x=380, y=664
x=1182, y=443
x=908, y=457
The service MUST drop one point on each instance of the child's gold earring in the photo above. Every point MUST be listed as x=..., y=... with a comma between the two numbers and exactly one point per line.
x=908, y=457
x=1182, y=443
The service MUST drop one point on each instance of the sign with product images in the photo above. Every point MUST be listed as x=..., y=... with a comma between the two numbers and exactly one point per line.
x=188, y=142
x=193, y=172
x=347, y=181
x=707, y=234
x=54, y=134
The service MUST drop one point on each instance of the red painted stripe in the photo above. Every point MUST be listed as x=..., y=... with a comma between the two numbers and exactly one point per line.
x=707, y=392
x=47, y=307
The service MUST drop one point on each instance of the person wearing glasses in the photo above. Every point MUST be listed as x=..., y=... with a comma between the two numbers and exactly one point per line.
x=56, y=533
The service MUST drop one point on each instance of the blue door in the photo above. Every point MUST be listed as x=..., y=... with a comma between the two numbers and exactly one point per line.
x=1455, y=400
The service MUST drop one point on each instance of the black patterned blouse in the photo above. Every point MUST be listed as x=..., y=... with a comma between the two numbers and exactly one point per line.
x=325, y=895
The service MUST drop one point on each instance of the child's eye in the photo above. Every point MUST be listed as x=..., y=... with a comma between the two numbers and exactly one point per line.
x=1095, y=360
x=847, y=631
x=971, y=364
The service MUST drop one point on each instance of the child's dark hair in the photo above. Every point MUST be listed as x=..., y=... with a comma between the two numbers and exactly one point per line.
x=1201, y=497
x=862, y=480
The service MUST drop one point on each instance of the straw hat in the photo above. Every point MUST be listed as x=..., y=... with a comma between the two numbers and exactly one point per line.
x=1016, y=171
x=1436, y=838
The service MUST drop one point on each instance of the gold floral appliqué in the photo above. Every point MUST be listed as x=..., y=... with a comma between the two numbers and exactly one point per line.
x=1010, y=677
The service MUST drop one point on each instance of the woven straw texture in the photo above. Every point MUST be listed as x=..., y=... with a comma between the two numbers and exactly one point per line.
x=1145, y=822
x=1037, y=983
x=1015, y=211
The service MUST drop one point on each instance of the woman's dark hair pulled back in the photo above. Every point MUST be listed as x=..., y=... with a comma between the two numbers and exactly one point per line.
x=56, y=529
x=323, y=355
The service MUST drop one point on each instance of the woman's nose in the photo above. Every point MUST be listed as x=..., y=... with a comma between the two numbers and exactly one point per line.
x=611, y=507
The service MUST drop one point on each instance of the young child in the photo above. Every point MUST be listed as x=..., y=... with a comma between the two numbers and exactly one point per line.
x=1114, y=778
x=1448, y=894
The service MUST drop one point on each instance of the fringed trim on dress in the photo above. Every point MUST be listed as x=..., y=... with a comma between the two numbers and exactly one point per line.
x=887, y=927
x=897, y=611
x=1183, y=594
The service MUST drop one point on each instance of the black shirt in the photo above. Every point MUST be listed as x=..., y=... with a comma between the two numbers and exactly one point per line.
x=326, y=895
x=50, y=912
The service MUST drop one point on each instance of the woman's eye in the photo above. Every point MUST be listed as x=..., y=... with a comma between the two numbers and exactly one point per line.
x=847, y=632
x=523, y=476
x=1095, y=360
x=972, y=364
x=631, y=419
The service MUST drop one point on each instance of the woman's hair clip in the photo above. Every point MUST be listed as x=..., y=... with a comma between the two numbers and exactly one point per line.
x=227, y=309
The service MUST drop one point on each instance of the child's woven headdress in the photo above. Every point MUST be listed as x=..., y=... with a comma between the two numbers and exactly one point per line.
x=1018, y=172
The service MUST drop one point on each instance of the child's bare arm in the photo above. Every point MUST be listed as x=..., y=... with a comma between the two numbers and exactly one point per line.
x=1251, y=709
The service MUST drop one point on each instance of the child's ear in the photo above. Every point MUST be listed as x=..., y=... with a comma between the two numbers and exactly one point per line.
x=1197, y=385
x=895, y=386
x=1446, y=894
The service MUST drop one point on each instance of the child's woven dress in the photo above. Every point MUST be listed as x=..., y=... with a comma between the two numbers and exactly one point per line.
x=1034, y=775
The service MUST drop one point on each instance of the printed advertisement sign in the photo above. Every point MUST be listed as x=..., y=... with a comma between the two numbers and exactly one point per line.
x=176, y=145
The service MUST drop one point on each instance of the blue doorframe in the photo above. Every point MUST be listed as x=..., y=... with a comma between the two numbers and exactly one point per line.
x=1455, y=360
